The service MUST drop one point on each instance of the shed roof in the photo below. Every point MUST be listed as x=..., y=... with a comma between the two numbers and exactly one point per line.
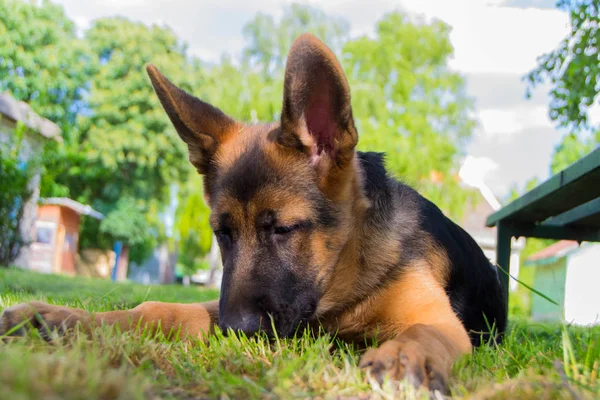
x=20, y=111
x=79, y=208
x=554, y=251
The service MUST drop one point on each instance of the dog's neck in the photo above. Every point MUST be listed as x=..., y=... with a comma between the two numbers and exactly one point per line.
x=371, y=251
x=345, y=288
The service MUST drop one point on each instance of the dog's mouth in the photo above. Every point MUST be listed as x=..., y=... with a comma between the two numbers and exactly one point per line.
x=289, y=324
x=282, y=322
x=274, y=313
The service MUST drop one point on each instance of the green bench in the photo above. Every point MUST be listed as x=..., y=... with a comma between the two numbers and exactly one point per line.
x=565, y=207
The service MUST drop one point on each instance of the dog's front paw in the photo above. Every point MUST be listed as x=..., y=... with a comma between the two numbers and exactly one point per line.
x=406, y=360
x=15, y=320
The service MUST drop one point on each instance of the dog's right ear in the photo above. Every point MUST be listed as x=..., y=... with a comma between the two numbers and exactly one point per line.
x=201, y=126
x=317, y=112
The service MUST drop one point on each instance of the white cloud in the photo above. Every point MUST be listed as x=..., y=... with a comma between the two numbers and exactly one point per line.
x=117, y=4
x=475, y=169
x=512, y=121
x=594, y=114
x=488, y=38
x=520, y=156
x=499, y=122
x=473, y=173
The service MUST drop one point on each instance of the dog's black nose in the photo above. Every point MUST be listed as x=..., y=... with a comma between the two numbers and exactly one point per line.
x=241, y=321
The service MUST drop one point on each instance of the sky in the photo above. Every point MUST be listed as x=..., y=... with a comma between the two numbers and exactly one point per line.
x=495, y=42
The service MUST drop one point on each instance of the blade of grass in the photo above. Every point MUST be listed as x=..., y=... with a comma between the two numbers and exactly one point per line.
x=542, y=295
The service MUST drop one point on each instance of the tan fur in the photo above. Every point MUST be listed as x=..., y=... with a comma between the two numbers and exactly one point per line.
x=423, y=334
x=437, y=258
x=190, y=320
x=239, y=139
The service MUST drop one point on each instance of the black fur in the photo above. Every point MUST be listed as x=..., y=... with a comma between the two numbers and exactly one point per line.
x=474, y=286
x=378, y=186
x=247, y=176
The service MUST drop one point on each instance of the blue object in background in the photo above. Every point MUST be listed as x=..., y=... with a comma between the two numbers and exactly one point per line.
x=117, y=249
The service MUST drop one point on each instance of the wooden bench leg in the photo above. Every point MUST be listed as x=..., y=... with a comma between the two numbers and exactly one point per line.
x=503, y=251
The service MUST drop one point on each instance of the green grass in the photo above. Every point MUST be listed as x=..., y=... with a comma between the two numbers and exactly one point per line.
x=536, y=361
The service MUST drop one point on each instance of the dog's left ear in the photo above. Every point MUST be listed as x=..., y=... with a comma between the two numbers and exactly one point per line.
x=317, y=114
x=200, y=125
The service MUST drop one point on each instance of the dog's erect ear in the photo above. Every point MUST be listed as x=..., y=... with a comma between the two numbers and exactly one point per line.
x=317, y=114
x=200, y=125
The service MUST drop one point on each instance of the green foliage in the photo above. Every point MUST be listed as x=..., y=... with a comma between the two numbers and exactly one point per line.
x=268, y=42
x=41, y=60
x=573, y=70
x=125, y=147
x=127, y=223
x=408, y=103
x=192, y=228
x=43, y=63
x=14, y=193
x=128, y=145
x=571, y=149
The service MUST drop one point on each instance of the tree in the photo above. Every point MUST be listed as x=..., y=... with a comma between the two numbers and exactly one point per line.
x=42, y=62
x=573, y=71
x=192, y=228
x=127, y=147
x=571, y=149
x=408, y=103
x=269, y=41
x=14, y=194
x=129, y=144
x=127, y=223
x=572, y=68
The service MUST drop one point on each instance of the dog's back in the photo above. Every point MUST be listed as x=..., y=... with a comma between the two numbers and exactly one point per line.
x=472, y=285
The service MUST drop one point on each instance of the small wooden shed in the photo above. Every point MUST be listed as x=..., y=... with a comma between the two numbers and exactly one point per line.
x=568, y=274
x=57, y=235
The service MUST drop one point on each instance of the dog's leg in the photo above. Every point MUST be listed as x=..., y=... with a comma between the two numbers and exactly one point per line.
x=191, y=320
x=429, y=336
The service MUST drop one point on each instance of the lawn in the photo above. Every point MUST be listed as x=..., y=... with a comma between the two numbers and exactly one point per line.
x=536, y=361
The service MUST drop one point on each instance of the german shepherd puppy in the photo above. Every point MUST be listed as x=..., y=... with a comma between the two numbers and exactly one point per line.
x=312, y=232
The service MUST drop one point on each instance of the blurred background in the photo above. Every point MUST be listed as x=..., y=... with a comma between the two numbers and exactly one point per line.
x=474, y=101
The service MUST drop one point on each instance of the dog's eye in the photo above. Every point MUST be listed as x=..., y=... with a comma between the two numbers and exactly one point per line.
x=223, y=235
x=282, y=230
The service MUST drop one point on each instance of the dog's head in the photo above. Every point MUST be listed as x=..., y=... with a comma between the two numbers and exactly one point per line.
x=280, y=194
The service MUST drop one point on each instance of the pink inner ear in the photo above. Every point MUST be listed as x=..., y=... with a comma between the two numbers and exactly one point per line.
x=320, y=122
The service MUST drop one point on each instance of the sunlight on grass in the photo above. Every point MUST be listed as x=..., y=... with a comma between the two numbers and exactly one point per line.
x=535, y=361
